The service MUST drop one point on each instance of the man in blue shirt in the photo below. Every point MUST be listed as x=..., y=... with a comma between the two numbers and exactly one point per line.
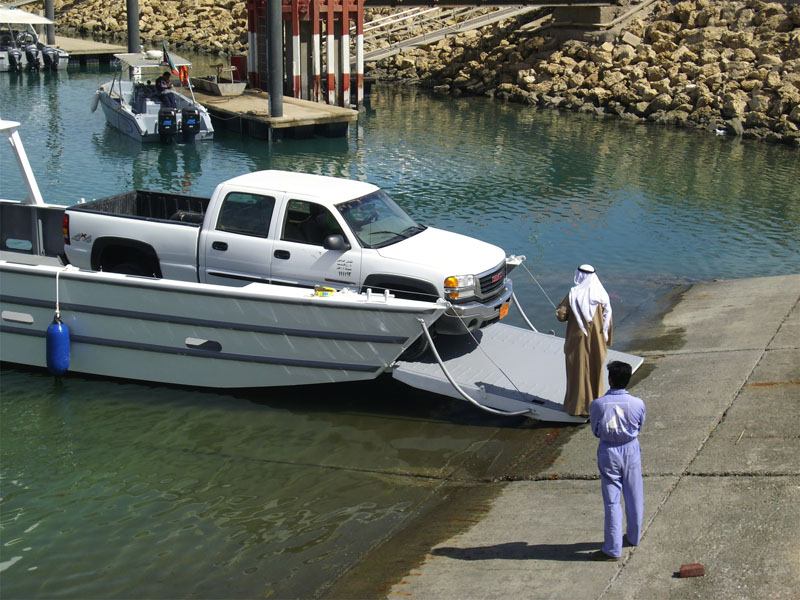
x=617, y=419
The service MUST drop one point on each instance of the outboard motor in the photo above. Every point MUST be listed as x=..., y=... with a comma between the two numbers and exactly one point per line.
x=190, y=123
x=50, y=56
x=167, y=123
x=32, y=56
x=14, y=59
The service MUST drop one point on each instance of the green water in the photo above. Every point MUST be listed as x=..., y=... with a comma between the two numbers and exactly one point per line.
x=113, y=489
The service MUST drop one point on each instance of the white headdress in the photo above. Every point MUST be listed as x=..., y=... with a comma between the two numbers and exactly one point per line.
x=586, y=295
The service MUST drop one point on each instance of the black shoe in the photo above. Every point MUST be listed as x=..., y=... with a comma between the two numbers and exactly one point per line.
x=600, y=555
x=626, y=543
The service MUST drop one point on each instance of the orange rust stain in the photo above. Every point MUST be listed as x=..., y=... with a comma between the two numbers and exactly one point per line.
x=772, y=383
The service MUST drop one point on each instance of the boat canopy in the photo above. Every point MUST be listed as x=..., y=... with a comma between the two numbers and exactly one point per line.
x=17, y=16
x=143, y=61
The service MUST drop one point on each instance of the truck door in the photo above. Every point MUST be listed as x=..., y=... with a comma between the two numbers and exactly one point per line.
x=298, y=255
x=236, y=249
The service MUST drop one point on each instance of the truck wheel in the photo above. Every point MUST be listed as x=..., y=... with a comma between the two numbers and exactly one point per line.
x=415, y=350
x=130, y=269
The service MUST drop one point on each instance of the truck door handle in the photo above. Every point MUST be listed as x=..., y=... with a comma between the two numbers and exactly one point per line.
x=284, y=254
x=221, y=246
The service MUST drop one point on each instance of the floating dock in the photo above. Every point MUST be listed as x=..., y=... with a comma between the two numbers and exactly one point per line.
x=248, y=113
x=83, y=52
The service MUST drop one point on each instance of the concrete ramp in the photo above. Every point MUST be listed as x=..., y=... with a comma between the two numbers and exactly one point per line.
x=510, y=369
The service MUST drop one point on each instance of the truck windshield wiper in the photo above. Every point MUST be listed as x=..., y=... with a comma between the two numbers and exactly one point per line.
x=413, y=230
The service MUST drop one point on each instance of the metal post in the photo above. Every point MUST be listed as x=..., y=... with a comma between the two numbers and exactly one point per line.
x=275, y=58
x=50, y=13
x=134, y=44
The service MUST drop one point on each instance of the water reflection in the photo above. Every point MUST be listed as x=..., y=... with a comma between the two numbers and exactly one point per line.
x=113, y=489
x=149, y=483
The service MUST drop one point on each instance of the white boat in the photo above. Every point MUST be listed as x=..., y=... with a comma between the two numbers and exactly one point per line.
x=187, y=333
x=20, y=46
x=259, y=335
x=132, y=104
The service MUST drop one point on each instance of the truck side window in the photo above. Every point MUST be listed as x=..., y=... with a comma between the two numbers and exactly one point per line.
x=248, y=214
x=308, y=223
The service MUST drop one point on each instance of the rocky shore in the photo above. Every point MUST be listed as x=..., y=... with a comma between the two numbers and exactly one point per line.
x=729, y=67
x=202, y=26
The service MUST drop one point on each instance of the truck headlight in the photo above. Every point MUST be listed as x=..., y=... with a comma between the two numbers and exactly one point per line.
x=459, y=287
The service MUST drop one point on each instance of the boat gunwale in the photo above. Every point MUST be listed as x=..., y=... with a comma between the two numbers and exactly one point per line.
x=247, y=292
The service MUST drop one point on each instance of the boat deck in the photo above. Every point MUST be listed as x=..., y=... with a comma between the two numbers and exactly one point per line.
x=249, y=113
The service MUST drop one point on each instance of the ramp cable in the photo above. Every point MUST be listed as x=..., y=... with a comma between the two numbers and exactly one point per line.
x=458, y=388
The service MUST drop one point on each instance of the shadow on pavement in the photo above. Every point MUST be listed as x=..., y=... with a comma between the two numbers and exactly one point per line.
x=521, y=551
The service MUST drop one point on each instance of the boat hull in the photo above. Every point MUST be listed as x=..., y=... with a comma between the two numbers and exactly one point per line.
x=204, y=335
x=218, y=88
x=143, y=126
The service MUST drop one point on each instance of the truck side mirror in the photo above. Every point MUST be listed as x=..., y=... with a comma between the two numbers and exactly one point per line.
x=335, y=242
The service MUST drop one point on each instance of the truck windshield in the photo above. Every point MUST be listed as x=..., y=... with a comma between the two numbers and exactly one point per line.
x=377, y=220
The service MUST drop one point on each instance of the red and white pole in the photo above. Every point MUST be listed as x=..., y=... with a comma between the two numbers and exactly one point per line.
x=252, y=42
x=345, y=54
x=330, y=53
x=315, y=50
x=296, y=49
x=360, y=51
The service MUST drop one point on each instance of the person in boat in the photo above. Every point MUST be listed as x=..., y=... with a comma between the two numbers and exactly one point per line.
x=587, y=311
x=163, y=87
x=617, y=418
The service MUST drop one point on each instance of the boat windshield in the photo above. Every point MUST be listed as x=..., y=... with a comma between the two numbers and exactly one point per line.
x=17, y=35
x=377, y=220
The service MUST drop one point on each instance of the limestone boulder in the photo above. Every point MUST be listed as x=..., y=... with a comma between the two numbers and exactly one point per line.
x=734, y=104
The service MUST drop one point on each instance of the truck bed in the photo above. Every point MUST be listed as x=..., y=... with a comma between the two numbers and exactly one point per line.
x=156, y=206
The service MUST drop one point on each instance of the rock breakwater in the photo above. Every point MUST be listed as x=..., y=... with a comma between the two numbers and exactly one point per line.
x=203, y=26
x=731, y=67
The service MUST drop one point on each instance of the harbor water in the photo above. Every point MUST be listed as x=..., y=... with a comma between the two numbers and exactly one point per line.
x=119, y=489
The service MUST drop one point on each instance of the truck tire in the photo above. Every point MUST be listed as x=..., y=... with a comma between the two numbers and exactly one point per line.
x=415, y=350
x=130, y=269
x=129, y=257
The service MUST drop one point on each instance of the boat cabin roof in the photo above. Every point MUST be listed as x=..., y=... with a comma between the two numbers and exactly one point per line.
x=17, y=16
x=142, y=61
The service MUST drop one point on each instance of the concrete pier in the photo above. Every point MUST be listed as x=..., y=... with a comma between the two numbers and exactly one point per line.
x=721, y=458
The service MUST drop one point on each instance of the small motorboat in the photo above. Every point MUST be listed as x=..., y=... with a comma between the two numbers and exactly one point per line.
x=20, y=46
x=132, y=103
x=218, y=85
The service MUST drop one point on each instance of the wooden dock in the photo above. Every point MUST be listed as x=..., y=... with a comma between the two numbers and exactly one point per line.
x=85, y=51
x=249, y=114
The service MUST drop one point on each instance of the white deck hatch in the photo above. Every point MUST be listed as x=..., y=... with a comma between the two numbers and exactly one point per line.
x=512, y=369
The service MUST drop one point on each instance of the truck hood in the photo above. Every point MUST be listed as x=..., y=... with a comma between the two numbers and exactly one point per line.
x=454, y=253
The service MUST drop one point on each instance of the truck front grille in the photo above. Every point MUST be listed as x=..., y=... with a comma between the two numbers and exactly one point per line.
x=492, y=282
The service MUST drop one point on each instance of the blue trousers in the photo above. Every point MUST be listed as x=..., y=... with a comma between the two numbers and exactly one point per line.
x=621, y=471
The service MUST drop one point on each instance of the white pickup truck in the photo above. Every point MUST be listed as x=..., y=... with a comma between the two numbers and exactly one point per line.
x=294, y=229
